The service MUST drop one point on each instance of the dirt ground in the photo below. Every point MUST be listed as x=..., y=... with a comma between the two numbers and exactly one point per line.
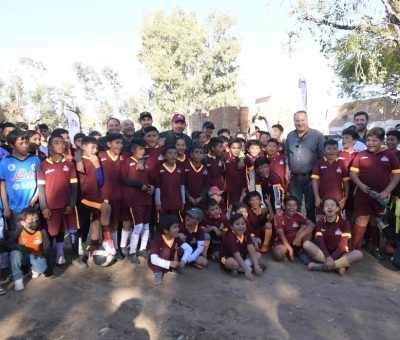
x=287, y=302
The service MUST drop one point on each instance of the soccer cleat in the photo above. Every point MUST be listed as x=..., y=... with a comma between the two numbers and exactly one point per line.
x=35, y=274
x=2, y=291
x=264, y=249
x=124, y=251
x=78, y=263
x=19, y=285
x=234, y=273
x=109, y=247
x=315, y=267
x=378, y=254
x=134, y=258
x=119, y=256
x=144, y=254
x=178, y=271
x=157, y=278
x=60, y=261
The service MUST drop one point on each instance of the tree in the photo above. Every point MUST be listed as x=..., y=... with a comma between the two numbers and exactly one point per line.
x=192, y=65
x=361, y=38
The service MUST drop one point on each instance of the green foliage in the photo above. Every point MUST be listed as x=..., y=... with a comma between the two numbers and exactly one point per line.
x=360, y=38
x=192, y=65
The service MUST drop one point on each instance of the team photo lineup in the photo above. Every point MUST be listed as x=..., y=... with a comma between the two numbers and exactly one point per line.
x=239, y=199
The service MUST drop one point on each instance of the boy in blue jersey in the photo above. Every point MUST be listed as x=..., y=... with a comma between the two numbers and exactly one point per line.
x=18, y=177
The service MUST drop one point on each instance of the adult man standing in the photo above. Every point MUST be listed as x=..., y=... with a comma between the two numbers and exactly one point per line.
x=128, y=131
x=361, y=121
x=145, y=119
x=303, y=147
x=178, y=125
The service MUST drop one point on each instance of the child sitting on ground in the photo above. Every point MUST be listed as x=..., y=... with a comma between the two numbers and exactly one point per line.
x=238, y=253
x=29, y=243
x=168, y=252
x=331, y=250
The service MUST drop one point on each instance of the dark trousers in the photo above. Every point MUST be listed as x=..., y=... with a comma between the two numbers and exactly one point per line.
x=300, y=185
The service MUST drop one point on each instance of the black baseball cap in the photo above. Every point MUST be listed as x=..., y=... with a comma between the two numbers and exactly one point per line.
x=145, y=114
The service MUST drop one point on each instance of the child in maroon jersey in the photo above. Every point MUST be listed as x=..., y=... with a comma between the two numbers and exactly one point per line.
x=259, y=221
x=264, y=138
x=215, y=163
x=137, y=197
x=58, y=190
x=170, y=188
x=215, y=225
x=111, y=163
x=278, y=132
x=330, y=178
x=277, y=159
x=199, y=137
x=377, y=170
x=182, y=159
x=196, y=178
x=292, y=229
x=217, y=195
x=393, y=141
x=168, y=252
x=331, y=238
x=191, y=233
x=235, y=173
x=91, y=182
x=237, y=250
x=154, y=155
x=269, y=184
x=253, y=151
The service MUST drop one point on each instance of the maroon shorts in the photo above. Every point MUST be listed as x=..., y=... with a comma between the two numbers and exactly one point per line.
x=93, y=209
x=138, y=214
x=116, y=212
x=366, y=205
x=232, y=197
x=174, y=255
x=60, y=222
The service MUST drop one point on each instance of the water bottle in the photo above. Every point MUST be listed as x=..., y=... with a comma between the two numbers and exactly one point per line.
x=374, y=194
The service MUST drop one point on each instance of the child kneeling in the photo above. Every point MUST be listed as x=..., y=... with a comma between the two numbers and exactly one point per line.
x=331, y=237
x=29, y=243
x=168, y=252
x=238, y=253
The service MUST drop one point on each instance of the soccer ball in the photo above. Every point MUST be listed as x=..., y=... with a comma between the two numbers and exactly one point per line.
x=102, y=257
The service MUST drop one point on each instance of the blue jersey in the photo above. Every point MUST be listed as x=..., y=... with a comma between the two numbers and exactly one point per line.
x=21, y=180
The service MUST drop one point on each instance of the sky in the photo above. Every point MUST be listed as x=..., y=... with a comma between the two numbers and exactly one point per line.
x=105, y=32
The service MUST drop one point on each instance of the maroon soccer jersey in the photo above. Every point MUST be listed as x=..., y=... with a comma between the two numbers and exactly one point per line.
x=154, y=159
x=329, y=236
x=278, y=166
x=232, y=243
x=192, y=237
x=216, y=168
x=268, y=184
x=196, y=179
x=235, y=177
x=289, y=225
x=347, y=158
x=331, y=176
x=90, y=190
x=134, y=196
x=220, y=222
x=165, y=249
x=57, y=178
x=169, y=182
x=256, y=222
x=111, y=165
x=374, y=169
x=182, y=161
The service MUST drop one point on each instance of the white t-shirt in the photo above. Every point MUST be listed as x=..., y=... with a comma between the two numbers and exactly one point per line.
x=359, y=146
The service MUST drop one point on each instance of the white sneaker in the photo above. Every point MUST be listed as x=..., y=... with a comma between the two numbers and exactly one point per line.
x=35, y=275
x=19, y=285
x=60, y=260
x=109, y=247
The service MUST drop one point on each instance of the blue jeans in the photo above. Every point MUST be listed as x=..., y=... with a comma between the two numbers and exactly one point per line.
x=300, y=186
x=38, y=263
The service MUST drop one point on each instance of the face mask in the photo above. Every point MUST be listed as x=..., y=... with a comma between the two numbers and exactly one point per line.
x=34, y=225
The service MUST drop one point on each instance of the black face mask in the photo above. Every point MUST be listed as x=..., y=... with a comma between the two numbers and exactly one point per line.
x=34, y=225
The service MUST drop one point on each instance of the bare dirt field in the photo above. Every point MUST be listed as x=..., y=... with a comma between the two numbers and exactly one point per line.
x=287, y=302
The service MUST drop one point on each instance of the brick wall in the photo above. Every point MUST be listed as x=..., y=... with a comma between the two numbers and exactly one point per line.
x=231, y=117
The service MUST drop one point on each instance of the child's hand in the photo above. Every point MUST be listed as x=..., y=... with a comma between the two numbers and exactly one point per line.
x=182, y=264
x=249, y=275
x=291, y=254
x=318, y=201
x=182, y=236
x=257, y=270
x=161, y=142
x=150, y=190
x=23, y=249
x=242, y=195
x=174, y=264
x=46, y=213
x=267, y=199
x=95, y=161
x=7, y=212
x=139, y=167
x=158, y=208
x=68, y=210
x=192, y=200
x=279, y=212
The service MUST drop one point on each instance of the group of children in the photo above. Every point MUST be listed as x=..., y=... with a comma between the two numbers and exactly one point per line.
x=226, y=199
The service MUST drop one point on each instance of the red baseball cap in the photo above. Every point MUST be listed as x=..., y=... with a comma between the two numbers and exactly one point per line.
x=215, y=191
x=177, y=117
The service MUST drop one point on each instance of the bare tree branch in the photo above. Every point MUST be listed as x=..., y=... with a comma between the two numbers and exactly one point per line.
x=392, y=13
x=325, y=22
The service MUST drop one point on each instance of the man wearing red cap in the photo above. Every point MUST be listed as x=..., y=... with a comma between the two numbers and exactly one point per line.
x=178, y=126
